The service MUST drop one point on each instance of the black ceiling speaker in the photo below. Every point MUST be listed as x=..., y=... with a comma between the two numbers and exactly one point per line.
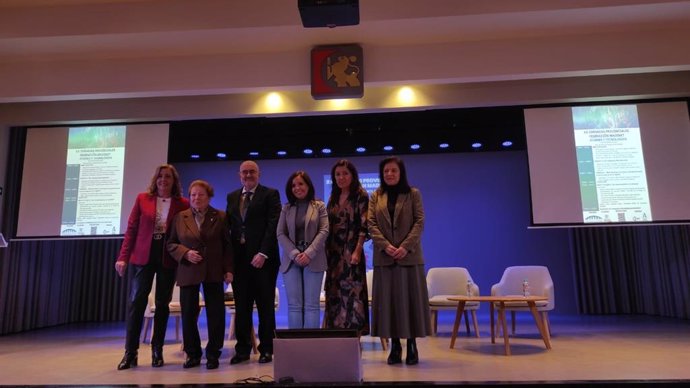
x=328, y=13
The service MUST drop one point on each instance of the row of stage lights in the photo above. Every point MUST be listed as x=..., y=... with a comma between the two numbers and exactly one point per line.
x=360, y=150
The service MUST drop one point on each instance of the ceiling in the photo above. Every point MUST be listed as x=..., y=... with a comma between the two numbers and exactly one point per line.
x=43, y=39
x=51, y=29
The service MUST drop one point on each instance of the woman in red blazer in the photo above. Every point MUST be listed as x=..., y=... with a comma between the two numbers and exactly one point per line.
x=144, y=248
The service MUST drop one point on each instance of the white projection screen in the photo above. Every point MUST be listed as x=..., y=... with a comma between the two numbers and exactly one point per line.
x=80, y=182
x=610, y=164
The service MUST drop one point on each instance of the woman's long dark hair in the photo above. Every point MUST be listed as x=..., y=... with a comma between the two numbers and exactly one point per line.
x=355, y=185
x=288, y=187
x=403, y=186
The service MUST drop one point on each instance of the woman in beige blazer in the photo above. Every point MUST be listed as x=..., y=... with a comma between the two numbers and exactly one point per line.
x=302, y=232
x=400, y=298
x=200, y=242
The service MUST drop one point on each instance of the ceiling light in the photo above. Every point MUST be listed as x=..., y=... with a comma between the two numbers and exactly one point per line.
x=406, y=96
x=281, y=153
x=361, y=149
x=507, y=143
x=326, y=151
x=254, y=153
x=415, y=146
x=221, y=155
x=388, y=148
x=308, y=151
x=274, y=102
x=476, y=145
x=443, y=145
x=339, y=104
x=194, y=156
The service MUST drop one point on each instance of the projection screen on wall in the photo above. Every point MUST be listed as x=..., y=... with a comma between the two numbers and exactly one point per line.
x=82, y=181
x=609, y=164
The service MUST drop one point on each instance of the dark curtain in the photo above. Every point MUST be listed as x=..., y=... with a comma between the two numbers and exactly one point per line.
x=632, y=270
x=52, y=282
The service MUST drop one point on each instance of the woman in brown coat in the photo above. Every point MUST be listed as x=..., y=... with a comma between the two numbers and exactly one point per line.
x=200, y=242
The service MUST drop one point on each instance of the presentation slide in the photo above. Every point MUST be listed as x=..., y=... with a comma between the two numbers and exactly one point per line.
x=82, y=181
x=93, y=181
x=609, y=164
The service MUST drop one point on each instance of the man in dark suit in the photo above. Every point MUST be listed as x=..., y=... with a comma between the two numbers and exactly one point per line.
x=252, y=216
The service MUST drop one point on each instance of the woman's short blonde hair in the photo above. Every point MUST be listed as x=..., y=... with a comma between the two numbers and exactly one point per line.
x=202, y=183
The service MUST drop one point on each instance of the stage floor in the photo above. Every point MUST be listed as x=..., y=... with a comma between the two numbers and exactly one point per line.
x=601, y=349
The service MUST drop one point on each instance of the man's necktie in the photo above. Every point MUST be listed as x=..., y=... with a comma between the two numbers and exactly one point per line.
x=246, y=198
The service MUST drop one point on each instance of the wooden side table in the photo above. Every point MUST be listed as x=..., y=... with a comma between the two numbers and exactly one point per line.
x=499, y=302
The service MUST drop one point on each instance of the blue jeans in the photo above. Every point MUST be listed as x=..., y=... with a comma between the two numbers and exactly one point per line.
x=303, y=289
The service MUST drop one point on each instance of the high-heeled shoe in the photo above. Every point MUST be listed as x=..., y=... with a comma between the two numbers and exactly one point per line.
x=396, y=352
x=157, y=357
x=412, y=357
x=129, y=360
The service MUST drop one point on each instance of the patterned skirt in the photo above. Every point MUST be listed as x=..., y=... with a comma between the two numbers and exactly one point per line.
x=347, y=297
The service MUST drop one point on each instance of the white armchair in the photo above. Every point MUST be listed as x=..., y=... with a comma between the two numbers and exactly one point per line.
x=175, y=311
x=322, y=300
x=540, y=283
x=445, y=282
x=370, y=285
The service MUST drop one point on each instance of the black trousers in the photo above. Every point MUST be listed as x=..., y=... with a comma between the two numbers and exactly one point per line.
x=215, y=319
x=254, y=285
x=142, y=281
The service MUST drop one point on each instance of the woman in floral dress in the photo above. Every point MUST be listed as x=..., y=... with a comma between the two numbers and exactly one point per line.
x=347, y=300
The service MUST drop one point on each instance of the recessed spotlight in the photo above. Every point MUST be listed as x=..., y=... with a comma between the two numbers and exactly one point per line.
x=326, y=151
x=281, y=153
x=308, y=151
x=194, y=156
x=507, y=143
x=221, y=155
x=415, y=147
x=361, y=149
x=253, y=153
x=388, y=148
x=476, y=145
x=443, y=145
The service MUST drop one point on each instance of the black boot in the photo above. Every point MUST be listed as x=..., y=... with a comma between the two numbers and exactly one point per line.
x=396, y=352
x=156, y=357
x=129, y=360
x=412, y=356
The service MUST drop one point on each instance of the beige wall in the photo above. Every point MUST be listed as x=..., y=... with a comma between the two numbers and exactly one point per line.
x=381, y=98
x=458, y=63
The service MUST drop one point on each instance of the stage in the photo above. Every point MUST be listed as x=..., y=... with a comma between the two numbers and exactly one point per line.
x=595, y=350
